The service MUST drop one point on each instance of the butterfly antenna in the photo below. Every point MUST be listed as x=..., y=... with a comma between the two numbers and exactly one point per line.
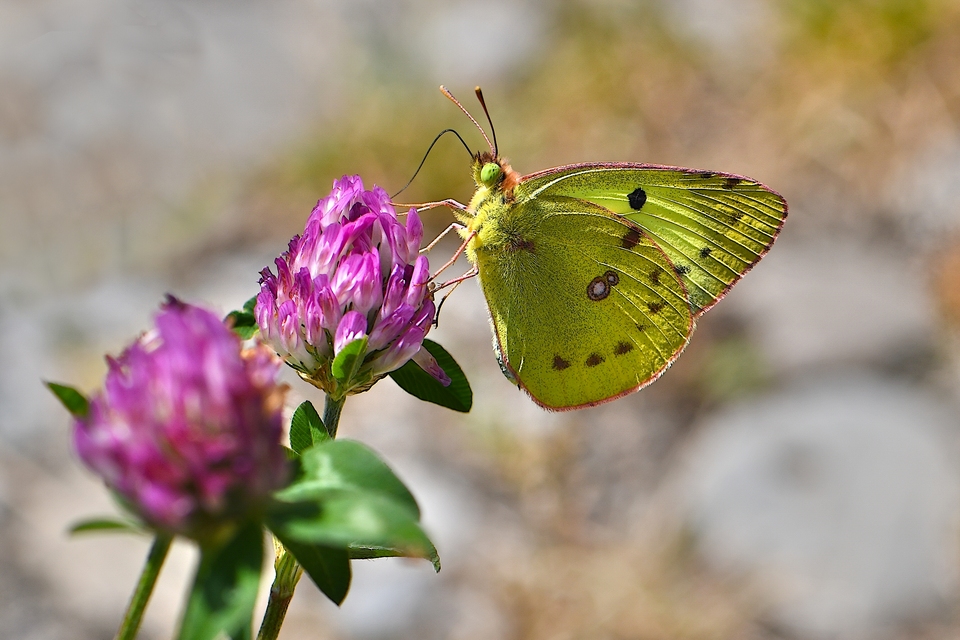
x=429, y=149
x=493, y=131
x=444, y=91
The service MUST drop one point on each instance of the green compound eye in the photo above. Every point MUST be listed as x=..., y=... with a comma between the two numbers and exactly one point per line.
x=489, y=173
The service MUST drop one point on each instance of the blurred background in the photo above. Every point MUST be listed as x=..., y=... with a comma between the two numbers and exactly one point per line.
x=794, y=476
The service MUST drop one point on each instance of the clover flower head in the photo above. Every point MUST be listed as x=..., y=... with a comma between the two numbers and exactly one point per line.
x=187, y=427
x=355, y=273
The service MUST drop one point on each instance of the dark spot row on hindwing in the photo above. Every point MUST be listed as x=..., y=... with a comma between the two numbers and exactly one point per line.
x=594, y=360
x=598, y=289
x=655, y=275
x=681, y=269
x=705, y=252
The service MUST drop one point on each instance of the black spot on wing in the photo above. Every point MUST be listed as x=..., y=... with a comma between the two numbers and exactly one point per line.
x=637, y=198
x=559, y=363
x=682, y=269
x=655, y=275
x=594, y=360
x=705, y=252
x=730, y=183
x=654, y=307
x=623, y=347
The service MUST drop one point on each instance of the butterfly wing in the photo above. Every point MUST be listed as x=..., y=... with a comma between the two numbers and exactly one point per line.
x=585, y=306
x=713, y=226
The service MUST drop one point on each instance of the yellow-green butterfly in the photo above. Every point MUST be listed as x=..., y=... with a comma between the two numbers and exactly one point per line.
x=595, y=273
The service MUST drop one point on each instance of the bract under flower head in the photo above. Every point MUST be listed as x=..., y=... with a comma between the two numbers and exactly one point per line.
x=187, y=428
x=355, y=273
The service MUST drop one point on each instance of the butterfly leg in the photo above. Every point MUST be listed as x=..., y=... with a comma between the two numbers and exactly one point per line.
x=453, y=225
x=456, y=255
x=454, y=283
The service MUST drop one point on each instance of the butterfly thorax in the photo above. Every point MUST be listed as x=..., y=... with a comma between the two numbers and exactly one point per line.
x=490, y=206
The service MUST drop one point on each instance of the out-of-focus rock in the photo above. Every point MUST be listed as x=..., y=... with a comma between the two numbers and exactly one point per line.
x=839, y=495
x=926, y=192
x=946, y=288
x=834, y=301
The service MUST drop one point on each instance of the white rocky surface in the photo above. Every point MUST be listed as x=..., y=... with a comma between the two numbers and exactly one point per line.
x=840, y=494
x=825, y=301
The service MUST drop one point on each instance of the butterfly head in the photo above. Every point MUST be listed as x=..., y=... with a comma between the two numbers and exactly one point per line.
x=492, y=173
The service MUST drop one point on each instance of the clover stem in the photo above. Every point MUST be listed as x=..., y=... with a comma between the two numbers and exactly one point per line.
x=288, y=570
x=331, y=413
x=141, y=595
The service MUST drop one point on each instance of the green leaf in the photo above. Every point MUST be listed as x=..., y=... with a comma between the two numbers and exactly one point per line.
x=358, y=552
x=418, y=383
x=348, y=361
x=74, y=401
x=351, y=519
x=347, y=465
x=243, y=323
x=106, y=524
x=328, y=567
x=306, y=428
x=225, y=588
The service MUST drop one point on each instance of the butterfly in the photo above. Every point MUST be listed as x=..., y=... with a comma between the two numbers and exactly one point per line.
x=595, y=273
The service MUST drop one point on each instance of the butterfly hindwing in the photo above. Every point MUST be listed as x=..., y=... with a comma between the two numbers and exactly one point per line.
x=713, y=226
x=585, y=306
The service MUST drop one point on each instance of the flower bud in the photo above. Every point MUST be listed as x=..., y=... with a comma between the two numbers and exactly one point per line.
x=356, y=271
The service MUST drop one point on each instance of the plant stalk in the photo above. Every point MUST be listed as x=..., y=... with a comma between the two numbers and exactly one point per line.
x=288, y=570
x=141, y=595
x=331, y=413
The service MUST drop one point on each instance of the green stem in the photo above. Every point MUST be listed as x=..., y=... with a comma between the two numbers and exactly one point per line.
x=331, y=413
x=288, y=573
x=288, y=570
x=148, y=578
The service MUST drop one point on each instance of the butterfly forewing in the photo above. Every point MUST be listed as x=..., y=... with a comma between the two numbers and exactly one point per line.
x=586, y=307
x=713, y=226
